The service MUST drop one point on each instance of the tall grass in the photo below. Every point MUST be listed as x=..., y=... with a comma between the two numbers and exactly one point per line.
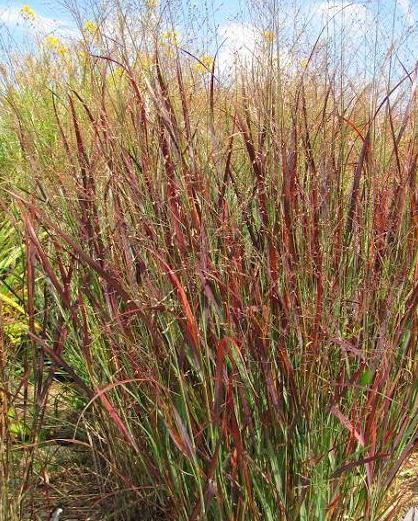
x=231, y=276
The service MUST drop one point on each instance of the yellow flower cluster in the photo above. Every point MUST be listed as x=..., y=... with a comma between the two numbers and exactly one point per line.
x=204, y=65
x=151, y=4
x=28, y=13
x=170, y=37
x=83, y=56
x=145, y=61
x=118, y=72
x=269, y=36
x=54, y=44
x=91, y=28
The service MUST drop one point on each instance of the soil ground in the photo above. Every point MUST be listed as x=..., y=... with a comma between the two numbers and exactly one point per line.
x=405, y=485
x=71, y=482
x=80, y=497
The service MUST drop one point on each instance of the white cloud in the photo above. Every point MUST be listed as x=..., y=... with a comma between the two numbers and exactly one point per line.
x=13, y=20
x=10, y=16
x=353, y=17
x=239, y=43
x=241, y=46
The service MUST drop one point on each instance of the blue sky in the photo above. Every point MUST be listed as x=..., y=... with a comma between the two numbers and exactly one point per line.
x=53, y=9
x=225, y=10
x=47, y=8
x=241, y=32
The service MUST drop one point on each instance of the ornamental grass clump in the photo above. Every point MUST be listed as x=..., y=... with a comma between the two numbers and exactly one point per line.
x=232, y=269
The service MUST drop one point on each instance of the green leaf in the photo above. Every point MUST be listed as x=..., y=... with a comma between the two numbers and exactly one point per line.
x=367, y=377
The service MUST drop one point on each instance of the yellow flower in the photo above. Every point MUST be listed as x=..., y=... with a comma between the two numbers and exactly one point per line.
x=82, y=54
x=269, y=36
x=91, y=27
x=171, y=37
x=151, y=4
x=54, y=44
x=28, y=13
x=118, y=72
x=204, y=65
x=304, y=63
x=145, y=61
x=62, y=50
